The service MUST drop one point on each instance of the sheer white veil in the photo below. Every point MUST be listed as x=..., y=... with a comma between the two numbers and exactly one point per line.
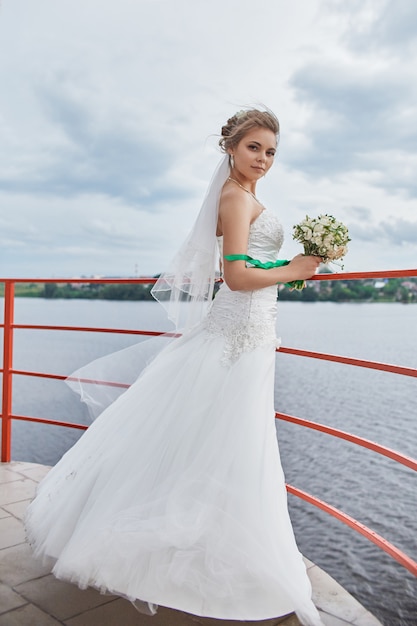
x=191, y=274
x=185, y=290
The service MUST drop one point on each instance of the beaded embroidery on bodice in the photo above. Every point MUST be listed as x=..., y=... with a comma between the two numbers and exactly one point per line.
x=246, y=319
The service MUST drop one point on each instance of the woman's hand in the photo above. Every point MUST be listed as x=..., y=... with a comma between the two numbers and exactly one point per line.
x=303, y=267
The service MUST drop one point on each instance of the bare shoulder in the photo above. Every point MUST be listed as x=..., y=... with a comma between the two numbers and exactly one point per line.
x=235, y=212
x=234, y=200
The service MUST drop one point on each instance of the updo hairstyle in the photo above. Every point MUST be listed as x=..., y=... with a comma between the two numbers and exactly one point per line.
x=244, y=121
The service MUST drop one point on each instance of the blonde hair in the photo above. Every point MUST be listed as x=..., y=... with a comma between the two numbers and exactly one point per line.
x=243, y=122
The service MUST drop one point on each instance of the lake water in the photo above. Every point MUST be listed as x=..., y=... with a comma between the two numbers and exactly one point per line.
x=377, y=405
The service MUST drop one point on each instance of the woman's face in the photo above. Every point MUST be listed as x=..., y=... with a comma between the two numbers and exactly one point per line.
x=254, y=154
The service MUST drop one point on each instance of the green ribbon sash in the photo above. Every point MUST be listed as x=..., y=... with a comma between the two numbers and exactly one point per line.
x=294, y=284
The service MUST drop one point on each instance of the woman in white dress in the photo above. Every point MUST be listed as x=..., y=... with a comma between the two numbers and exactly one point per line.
x=175, y=495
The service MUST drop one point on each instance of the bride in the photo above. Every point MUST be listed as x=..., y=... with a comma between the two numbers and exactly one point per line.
x=175, y=495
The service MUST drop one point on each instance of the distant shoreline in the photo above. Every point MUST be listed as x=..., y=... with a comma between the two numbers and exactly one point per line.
x=372, y=291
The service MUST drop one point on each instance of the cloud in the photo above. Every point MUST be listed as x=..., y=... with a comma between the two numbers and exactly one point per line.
x=108, y=116
x=390, y=27
x=83, y=147
x=354, y=114
x=395, y=232
x=361, y=213
x=360, y=111
x=96, y=235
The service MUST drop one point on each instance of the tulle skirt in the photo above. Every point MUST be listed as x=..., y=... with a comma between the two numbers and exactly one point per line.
x=176, y=496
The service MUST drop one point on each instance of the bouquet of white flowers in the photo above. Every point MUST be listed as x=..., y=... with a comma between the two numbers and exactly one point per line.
x=323, y=236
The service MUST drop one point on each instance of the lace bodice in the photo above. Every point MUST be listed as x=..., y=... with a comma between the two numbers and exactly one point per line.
x=266, y=237
x=246, y=319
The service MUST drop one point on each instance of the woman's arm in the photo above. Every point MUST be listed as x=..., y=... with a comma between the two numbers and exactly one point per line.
x=236, y=212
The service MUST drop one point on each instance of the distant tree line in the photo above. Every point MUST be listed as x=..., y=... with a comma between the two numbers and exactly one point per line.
x=390, y=290
x=95, y=291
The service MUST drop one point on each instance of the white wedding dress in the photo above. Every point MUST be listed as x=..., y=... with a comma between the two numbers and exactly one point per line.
x=175, y=495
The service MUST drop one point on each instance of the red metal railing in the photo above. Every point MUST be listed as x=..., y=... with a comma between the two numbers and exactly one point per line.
x=8, y=372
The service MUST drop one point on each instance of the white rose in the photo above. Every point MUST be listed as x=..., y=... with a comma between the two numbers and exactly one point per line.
x=325, y=220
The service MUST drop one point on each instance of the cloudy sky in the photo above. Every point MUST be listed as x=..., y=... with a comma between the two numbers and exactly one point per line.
x=110, y=114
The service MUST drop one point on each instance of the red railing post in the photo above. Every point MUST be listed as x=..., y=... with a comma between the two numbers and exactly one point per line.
x=6, y=410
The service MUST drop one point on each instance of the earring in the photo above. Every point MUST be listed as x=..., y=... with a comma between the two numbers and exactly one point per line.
x=232, y=161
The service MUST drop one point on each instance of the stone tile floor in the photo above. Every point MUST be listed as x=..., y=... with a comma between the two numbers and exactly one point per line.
x=31, y=596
